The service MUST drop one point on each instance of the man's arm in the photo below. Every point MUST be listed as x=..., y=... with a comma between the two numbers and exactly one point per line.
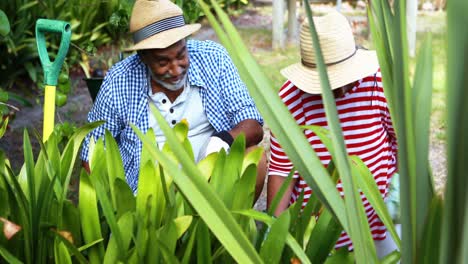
x=85, y=165
x=252, y=130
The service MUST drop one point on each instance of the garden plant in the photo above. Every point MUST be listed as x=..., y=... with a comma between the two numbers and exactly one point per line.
x=186, y=212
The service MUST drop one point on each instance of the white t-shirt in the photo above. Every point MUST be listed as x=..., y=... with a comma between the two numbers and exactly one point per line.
x=188, y=106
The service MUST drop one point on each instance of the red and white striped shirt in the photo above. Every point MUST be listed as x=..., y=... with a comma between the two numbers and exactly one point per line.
x=368, y=132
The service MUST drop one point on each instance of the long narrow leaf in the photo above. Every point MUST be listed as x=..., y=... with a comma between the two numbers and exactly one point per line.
x=274, y=243
x=422, y=98
x=290, y=241
x=455, y=210
x=281, y=122
x=359, y=234
x=90, y=223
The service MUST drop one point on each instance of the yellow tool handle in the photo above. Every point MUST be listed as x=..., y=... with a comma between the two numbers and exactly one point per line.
x=49, y=112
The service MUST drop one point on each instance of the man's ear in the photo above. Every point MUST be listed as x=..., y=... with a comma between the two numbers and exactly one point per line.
x=141, y=54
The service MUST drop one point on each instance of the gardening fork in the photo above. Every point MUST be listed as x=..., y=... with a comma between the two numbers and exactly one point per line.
x=51, y=69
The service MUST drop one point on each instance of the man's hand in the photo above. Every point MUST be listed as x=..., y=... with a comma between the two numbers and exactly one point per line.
x=219, y=140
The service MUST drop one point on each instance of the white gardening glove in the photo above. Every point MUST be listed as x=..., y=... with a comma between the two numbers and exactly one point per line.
x=218, y=141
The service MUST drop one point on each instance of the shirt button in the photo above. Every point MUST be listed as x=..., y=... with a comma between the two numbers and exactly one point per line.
x=171, y=110
x=173, y=122
x=163, y=101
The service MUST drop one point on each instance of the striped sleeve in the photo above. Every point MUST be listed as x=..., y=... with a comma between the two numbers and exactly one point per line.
x=280, y=164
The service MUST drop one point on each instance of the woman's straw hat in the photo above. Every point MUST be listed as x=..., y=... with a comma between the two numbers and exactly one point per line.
x=157, y=24
x=345, y=63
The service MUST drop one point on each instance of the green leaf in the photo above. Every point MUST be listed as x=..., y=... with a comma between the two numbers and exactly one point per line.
x=274, y=243
x=200, y=195
x=76, y=253
x=61, y=253
x=125, y=200
x=431, y=239
x=90, y=224
x=358, y=232
x=324, y=236
x=4, y=24
x=4, y=126
x=203, y=244
x=28, y=6
x=126, y=225
x=276, y=115
x=367, y=184
x=146, y=198
x=245, y=189
x=455, y=212
x=290, y=241
x=422, y=98
x=341, y=256
x=9, y=257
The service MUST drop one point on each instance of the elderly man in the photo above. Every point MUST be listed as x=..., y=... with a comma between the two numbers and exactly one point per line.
x=184, y=79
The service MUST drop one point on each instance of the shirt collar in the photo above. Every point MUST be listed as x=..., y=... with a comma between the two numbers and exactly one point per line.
x=194, y=76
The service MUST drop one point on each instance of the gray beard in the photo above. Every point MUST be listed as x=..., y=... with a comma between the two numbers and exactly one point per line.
x=171, y=87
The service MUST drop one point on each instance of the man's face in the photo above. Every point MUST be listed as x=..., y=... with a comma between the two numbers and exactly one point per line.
x=168, y=66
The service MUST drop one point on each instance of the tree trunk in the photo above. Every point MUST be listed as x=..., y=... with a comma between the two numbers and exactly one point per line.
x=278, y=21
x=338, y=5
x=293, y=27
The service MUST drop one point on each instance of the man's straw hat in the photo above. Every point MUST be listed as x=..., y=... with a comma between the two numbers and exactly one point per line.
x=345, y=63
x=157, y=24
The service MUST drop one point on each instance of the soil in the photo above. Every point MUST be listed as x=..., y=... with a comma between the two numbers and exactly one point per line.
x=79, y=103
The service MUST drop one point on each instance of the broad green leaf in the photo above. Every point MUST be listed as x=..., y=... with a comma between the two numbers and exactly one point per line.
x=146, y=198
x=126, y=225
x=97, y=178
x=125, y=200
x=431, y=239
x=203, y=244
x=115, y=170
x=323, y=238
x=22, y=208
x=290, y=241
x=69, y=246
x=368, y=186
x=207, y=165
x=252, y=157
x=4, y=123
x=90, y=224
x=191, y=243
x=274, y=243
x=71, y=221
x=422, y=98
x=61, y=253
x=73, y=146
x=245, y=189
x=182, y=224
x=167, y=255
x=201, y=196
x=4, y=24
x=341, y=256
x=392, y=258
x=455, y=203
x=9, y=257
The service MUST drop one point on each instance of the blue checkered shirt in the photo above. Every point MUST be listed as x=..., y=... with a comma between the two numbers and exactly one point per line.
x=123, y=100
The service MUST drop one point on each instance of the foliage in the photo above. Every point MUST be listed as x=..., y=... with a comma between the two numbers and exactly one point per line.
x=94, y=23
x=430, y=224
x=193, y=12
